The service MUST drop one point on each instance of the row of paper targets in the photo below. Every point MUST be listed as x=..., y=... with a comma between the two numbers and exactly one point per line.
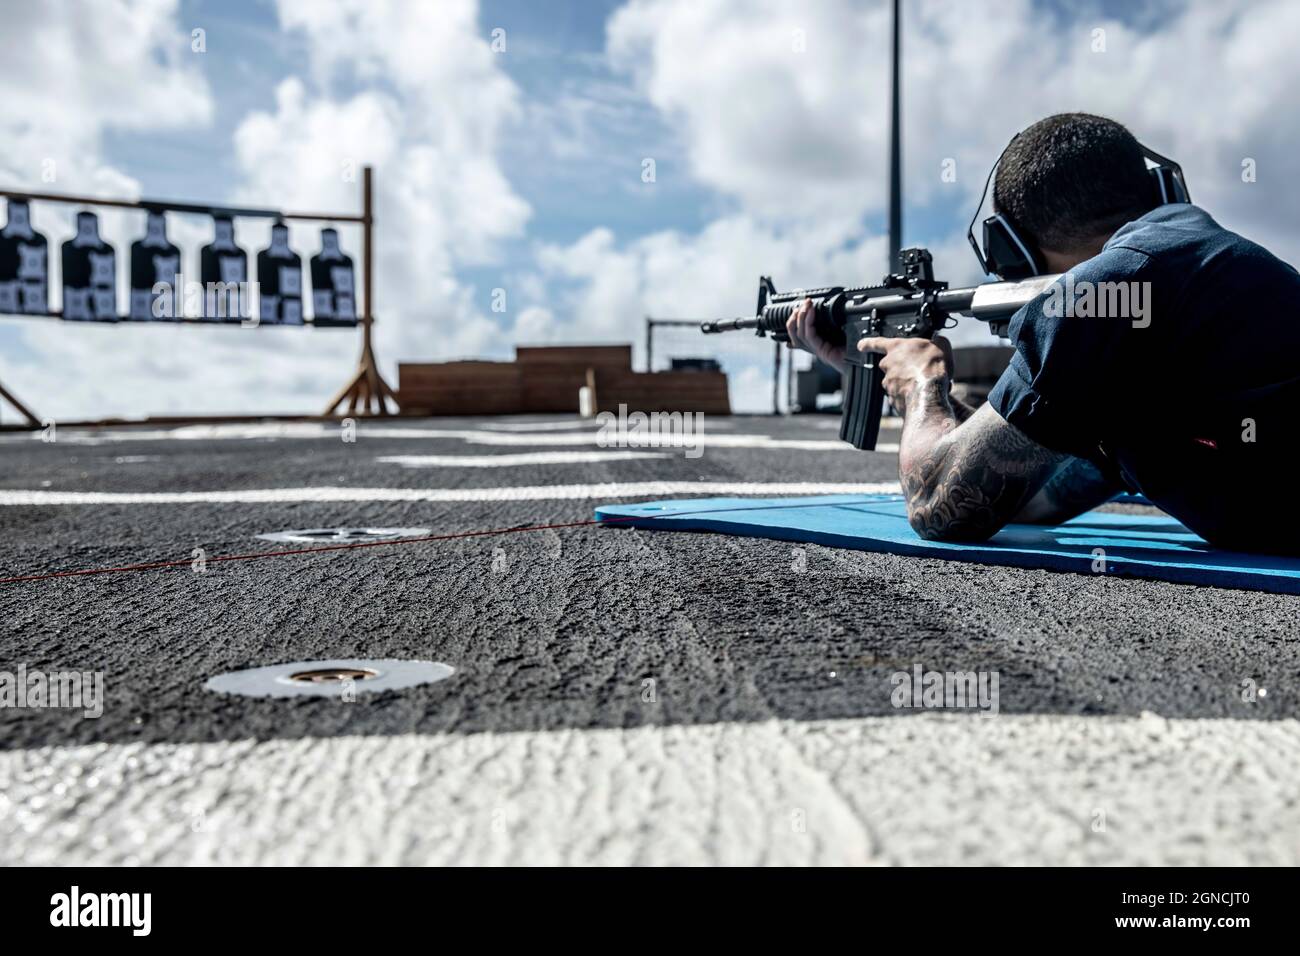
x=90, y=269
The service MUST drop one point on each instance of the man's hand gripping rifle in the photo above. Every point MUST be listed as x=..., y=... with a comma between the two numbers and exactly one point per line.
x=907, y=305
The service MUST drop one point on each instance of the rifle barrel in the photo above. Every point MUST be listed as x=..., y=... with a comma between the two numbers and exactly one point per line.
x=730, y=325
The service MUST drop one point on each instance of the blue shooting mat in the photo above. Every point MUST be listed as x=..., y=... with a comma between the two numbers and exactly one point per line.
x=1137, y=545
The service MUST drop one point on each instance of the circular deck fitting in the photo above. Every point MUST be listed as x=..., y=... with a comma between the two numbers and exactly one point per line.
x=325, y=675
x=329, y=678
x=344, y=535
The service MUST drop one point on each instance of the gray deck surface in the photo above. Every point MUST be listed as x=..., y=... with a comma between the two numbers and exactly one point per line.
x=770, y=736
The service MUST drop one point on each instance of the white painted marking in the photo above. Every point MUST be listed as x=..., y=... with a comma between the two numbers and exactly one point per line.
x=629, y=489
x=345, y=535
x=319, y=430
x=245, y=432
x=509, y=461
x=565, y=426
x=827, y=423
x=577, y=424
x=928, y=789
x=632, y=439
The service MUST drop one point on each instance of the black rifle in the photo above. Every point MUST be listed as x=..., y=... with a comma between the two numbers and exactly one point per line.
x=907, y=305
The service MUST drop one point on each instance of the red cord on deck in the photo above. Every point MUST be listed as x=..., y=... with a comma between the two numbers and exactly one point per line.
x=253, y=556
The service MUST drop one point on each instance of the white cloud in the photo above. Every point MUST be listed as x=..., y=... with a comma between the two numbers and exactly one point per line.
x=69, y=74
x=798, y=139
x=71, y=71
x=783, y=131
x=711, y=274
x=792, y=133
x=536, y=325
x=429, y=116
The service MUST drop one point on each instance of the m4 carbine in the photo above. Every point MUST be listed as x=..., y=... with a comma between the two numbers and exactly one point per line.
x=907, y=305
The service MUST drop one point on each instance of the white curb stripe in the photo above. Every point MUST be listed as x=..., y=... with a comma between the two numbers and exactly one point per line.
x=629, y=489
x=930, y=789
x=475, y=436
x=512, y=460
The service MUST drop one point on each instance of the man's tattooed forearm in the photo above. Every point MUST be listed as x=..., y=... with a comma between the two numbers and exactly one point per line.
x=969, y=485
x=927, y=398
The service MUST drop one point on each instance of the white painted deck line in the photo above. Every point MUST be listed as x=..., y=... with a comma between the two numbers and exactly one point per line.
x=630, y=489
x=476, y=436
x=577, y=424
x=703, y=440
x=574, y=424
x=515, y=460
x=927, y=789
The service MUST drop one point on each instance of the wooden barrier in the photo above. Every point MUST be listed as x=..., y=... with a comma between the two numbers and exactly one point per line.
x=551, y=376
x=460, y=388
x=547, y=379
x=662, y=391
x=587, y=356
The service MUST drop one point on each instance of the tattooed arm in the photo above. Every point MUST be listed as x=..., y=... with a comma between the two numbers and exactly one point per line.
x=965, y=479
x=964, y=482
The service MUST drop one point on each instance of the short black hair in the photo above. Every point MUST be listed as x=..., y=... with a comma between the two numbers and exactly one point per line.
x=1072, y=178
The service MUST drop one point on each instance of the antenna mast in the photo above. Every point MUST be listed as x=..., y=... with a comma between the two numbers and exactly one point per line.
x=895, y=159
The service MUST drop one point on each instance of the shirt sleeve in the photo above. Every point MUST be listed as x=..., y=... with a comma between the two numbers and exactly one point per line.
x=1064, y=387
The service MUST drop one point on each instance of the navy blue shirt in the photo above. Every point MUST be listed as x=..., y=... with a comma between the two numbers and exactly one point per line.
x=1181, y=378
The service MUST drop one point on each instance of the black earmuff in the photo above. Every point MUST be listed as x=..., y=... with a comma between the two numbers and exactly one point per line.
x=1006, y=255
x=1168, y=178
x=1010, y=257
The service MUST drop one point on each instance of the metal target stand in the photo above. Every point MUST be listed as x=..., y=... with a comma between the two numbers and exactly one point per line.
x=20, y=408
x=367, y=386
x=366, y=393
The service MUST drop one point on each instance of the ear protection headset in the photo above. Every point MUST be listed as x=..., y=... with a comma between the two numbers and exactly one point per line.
x=1009, y=256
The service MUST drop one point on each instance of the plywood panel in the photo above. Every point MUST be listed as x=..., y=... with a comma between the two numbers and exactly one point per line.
x=663, y=391
x=459, y=388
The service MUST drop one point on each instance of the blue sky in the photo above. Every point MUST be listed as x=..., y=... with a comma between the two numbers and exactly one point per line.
x=521, y=170
x=555, y=49
x=555, y=53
